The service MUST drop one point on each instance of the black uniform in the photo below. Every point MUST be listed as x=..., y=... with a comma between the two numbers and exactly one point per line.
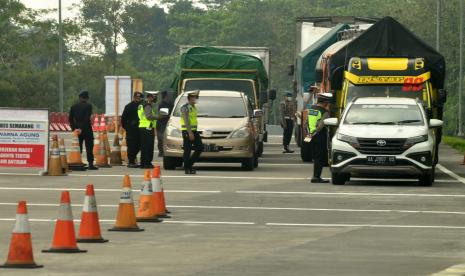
x=161, y=124
x=79, y=118
x=130, y=122
x=147, y=139
x=319, y=143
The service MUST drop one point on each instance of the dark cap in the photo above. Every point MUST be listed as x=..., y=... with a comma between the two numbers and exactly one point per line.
x=84, y=94
x=137, y=93
x=289, y=94
x=194, y=93
x=325, y=97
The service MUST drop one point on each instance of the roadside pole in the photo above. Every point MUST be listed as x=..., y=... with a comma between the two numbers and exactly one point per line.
x=460, y=122
x=116, y=104
x=60, y=57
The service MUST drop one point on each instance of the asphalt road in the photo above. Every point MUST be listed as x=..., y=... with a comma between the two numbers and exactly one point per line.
x=271, y=221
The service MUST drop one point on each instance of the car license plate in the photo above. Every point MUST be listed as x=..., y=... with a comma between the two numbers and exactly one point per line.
x=381, y=160
x=210, y=148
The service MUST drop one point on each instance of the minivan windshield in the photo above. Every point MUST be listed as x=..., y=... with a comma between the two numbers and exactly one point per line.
x=384, y=114
x=216, y=107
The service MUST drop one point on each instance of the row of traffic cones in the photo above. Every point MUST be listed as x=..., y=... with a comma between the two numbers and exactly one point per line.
x=151, y=207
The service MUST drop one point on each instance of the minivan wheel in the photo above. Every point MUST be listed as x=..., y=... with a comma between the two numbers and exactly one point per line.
x=427, y=179
x=248, y=164
x=260, y=149
x=339, y=178
x=170, y=163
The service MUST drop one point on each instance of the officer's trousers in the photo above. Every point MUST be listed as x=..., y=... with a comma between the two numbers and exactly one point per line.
x=287, y=134
x=188, y=146
x=133, y=143
x=147, y=141
x=319, y=152
x=88, y=137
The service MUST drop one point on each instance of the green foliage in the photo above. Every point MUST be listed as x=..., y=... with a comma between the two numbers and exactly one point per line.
x=132, y=37
x=455, y=142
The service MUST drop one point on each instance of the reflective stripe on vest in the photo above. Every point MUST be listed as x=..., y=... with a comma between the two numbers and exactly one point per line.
x=314, y=117
x=192, y=118
x=143, y=121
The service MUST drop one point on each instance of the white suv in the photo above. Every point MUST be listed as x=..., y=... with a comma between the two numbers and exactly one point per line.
x=382, y=137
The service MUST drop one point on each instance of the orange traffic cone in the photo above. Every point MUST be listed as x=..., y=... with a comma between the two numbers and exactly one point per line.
x=54, y=161
x=74, y=156
x=106, y=144
x=96, y=143
x=101, y=159
x=145, y=210
x=157, y=171
x=64, y=238
x=89, y=229
x=96, y=125
x=63, y=159
x=124, y=148
x=103, y=123
x=157, y=196
x=126, y=218
x=20, y=254
x=115, y=155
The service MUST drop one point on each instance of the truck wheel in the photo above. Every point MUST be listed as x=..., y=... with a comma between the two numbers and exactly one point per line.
x=248, y=164
x=170, y=163
x=260, y=149
x=306, y=152
x=339, y=178
x=427, y=179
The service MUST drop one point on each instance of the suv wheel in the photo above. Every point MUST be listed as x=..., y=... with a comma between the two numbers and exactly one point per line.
x=339, y=178
x=427, y=179
x=248, y=164
x=170, y=163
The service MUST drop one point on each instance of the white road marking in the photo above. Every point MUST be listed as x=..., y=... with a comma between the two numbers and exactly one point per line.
x=99, y=190
x=350, y=194
x=264, y=208
x=366, y=225
x=450, y=173
x=199, y=176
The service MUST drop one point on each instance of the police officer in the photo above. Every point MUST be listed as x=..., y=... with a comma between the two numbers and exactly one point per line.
x=288, y=109
x=79, y=119
x=318, y=134
x=163, y=121
x=191, y=138
x=147, y=125
x=130, y=122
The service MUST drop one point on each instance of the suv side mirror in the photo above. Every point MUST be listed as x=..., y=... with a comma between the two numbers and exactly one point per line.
x=257, y=113
x=331, y=122
x=442, y=96
x=434, y=123
x=272, y=94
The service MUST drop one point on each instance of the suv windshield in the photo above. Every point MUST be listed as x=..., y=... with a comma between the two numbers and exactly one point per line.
x=216, y=107
x=360, y=91
x=244, y=86
x=384, y=114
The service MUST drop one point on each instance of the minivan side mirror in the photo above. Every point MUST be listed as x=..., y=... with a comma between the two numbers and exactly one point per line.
x=164, y=111
x=257, y=113
x=442, y=96
x=331, y=122
x=272, y=94
x=433, y=123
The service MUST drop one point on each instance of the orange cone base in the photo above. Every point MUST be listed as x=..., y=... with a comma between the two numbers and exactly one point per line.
x=64, y=250
x=152, y=219
x=77, y=167
x=168, y=212
x=33, y=265
x=126, y=229
x=98, y=240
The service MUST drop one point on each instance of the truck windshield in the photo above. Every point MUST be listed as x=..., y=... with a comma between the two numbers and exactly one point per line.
x=390, y=90
x=216, y=107
x=384, y=114
x=244, y=86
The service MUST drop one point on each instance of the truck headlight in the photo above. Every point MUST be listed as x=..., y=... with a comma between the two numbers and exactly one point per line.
x=241, y=133
x=172, y=131
x=415, y=140
x=348, y=139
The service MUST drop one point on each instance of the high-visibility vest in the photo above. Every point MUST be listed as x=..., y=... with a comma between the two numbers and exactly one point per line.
x=314, y=116
x=192, y=118
x=143, y=121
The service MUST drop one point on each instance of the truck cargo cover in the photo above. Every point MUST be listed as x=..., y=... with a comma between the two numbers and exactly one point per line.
x=229, y=65
x=307, y=59
x=388, y=38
